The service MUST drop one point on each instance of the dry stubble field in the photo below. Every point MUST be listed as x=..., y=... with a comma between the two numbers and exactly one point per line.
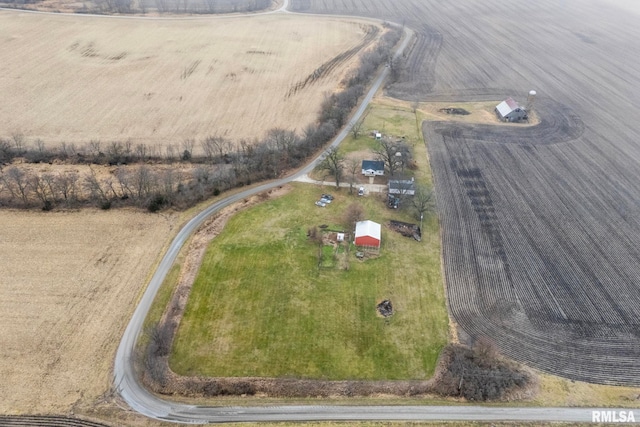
x=540, y=224
x=69, y=282
x=159, y=81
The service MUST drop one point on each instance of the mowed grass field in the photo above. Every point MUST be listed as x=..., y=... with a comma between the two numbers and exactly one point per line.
x=260, y=305
x=77, y=79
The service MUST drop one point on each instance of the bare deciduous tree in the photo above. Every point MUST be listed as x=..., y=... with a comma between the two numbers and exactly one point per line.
x=356, y=127
x=141, y=152
x=333, y=163
x=39, y=145
x=95, y=189
x=353, y=214
x=353, y=167
x=66, y=184
x=17, y=182
x=19, y=143
x=42, y=190
x=170, y=152
x=422, y=200
x=394, y=155
x=143, y=182
x=386, y=153
x=6, y=153
x=94, y=148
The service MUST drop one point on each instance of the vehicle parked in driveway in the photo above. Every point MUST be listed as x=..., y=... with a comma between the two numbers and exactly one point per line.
x=393, y=202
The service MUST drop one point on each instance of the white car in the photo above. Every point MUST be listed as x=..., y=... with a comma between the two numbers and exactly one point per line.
x=361, y=191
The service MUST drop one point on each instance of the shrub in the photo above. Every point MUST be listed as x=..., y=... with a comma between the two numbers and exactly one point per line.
x=156, y=203
x=478, y=374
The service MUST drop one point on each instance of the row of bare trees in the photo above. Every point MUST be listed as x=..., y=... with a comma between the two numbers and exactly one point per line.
x=139, y=185
x=156, y=6
x=188, y=179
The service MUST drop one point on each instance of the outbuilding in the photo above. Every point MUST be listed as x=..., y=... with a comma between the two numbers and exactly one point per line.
x=509, y=111
x=372, y=168
x=402, y=187
x=367, y=234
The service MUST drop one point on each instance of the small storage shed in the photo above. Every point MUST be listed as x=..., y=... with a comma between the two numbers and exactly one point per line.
x=509, y=111
x=367, y=234
x=372, y=168
x=402, y=187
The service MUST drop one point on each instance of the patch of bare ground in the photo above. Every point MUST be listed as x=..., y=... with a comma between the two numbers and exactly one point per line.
x=479, y=112
x=69, y=283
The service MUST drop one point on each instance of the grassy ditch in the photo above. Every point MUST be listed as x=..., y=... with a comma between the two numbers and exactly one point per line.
x=262, y=306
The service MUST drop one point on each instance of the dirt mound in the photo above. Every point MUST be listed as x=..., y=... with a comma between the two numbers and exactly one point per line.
x=406, y=229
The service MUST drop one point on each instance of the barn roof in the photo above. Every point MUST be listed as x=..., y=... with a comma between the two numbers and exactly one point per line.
x=368, y=228
x=507, y=106
x=376, y=165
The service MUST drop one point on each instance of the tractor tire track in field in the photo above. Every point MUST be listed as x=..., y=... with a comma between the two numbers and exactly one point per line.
x=419, y=75
x=325, y=69
x=46, y=421
x=557, y=124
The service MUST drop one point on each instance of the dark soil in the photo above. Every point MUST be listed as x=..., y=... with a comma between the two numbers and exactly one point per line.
x=406, y=229
x=458, y=111
x=385, y=308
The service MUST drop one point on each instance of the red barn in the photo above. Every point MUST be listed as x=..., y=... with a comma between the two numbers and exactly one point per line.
x=368, y=234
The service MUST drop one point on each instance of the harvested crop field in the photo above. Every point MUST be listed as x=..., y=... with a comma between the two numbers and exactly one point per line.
x=77, y=79
x=540, y=224
x=69, y=284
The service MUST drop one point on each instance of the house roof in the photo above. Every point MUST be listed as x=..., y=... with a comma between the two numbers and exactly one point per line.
x=402, y=184
x=368, y=228
x=507, y=106
x=376, y=165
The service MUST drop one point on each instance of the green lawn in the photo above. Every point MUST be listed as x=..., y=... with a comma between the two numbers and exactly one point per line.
x=261, y=306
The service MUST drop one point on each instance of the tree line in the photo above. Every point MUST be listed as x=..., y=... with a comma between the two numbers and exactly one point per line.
x=153, y=6
x=175, y=175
